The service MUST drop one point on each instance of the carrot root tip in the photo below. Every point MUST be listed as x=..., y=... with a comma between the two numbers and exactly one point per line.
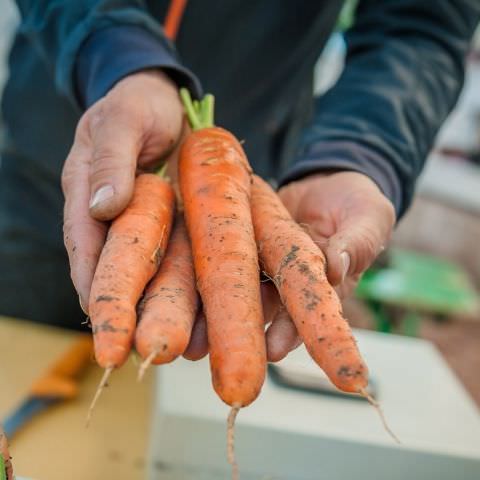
x=379, y=410
x=231, y=440
x=146, y=364
x=269, y=278
x=101, y=386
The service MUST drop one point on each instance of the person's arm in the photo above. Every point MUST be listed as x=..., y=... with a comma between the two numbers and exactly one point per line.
x=360, y=156
x=90, y=45
x=403, y=74
x=111, y=59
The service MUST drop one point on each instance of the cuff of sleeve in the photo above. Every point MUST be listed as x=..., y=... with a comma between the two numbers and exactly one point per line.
x=112, y=53
x=353, y=157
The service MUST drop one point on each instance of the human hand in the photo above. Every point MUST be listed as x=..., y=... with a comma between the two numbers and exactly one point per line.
x=134, y=127
x=350, y=219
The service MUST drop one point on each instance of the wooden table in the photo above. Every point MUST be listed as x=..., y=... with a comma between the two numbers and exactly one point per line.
x=56, y=445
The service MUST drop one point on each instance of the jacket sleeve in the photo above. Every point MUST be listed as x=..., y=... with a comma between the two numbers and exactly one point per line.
x=403, y=74
x=89, y=45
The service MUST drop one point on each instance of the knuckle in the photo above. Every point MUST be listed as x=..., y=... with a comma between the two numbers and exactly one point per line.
x=104, y=158
x=388, y=212
x=82, y=125
x=94, y=117
x=370, y=246
x=119, y=108
x=103, y=171
x=112, y=118
x=391, y=216
x=66, y=179
x=366, y=247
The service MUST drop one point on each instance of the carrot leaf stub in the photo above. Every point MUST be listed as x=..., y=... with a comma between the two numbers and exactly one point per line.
x=199, y=112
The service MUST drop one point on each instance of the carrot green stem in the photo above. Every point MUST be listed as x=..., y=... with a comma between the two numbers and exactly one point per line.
x=190, y=109
x=209, y=106
x=199, y=113
x=161, y=173
x=3, y=474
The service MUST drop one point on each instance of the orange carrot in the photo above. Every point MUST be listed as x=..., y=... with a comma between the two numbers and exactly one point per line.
x=5, y=459
x=170, y=304
x=297, y=267
x=215, y=181
x=135, y=245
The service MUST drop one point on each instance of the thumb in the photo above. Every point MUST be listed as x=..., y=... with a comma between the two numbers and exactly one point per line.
x=116, y=142
x=355, y=245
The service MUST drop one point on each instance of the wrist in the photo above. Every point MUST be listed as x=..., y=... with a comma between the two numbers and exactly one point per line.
x=154, y=78
x=99, y=65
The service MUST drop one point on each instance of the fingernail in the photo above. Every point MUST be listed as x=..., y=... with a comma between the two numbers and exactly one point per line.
x=81, y=305
x=102, y=194
x=346, y=264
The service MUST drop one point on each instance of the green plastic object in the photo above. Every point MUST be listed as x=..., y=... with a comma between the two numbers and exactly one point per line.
x=422, y=283
x=411, y=284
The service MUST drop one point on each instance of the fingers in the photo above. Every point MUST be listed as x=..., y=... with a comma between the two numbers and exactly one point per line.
x=116, y=140
x=347, y=287
x=281, y=336
x=348, y=216
x=360, y=237
x=97, y=182
x=198, y=345
x=83, y=236
x=270, y=301
x=139, y=122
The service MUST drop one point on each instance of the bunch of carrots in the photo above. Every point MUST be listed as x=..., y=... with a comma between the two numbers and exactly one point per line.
x=144, y=291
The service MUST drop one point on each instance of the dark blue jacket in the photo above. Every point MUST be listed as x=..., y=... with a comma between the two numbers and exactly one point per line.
x=403, y=74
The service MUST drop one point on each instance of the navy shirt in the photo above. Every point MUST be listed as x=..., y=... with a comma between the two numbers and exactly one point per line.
x=403, y=74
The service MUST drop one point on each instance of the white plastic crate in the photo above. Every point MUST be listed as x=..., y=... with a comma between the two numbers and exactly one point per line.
x=295, y=435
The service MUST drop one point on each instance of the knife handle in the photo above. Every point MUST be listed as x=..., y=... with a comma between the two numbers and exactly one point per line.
x=75, y=359
x=60, y=378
